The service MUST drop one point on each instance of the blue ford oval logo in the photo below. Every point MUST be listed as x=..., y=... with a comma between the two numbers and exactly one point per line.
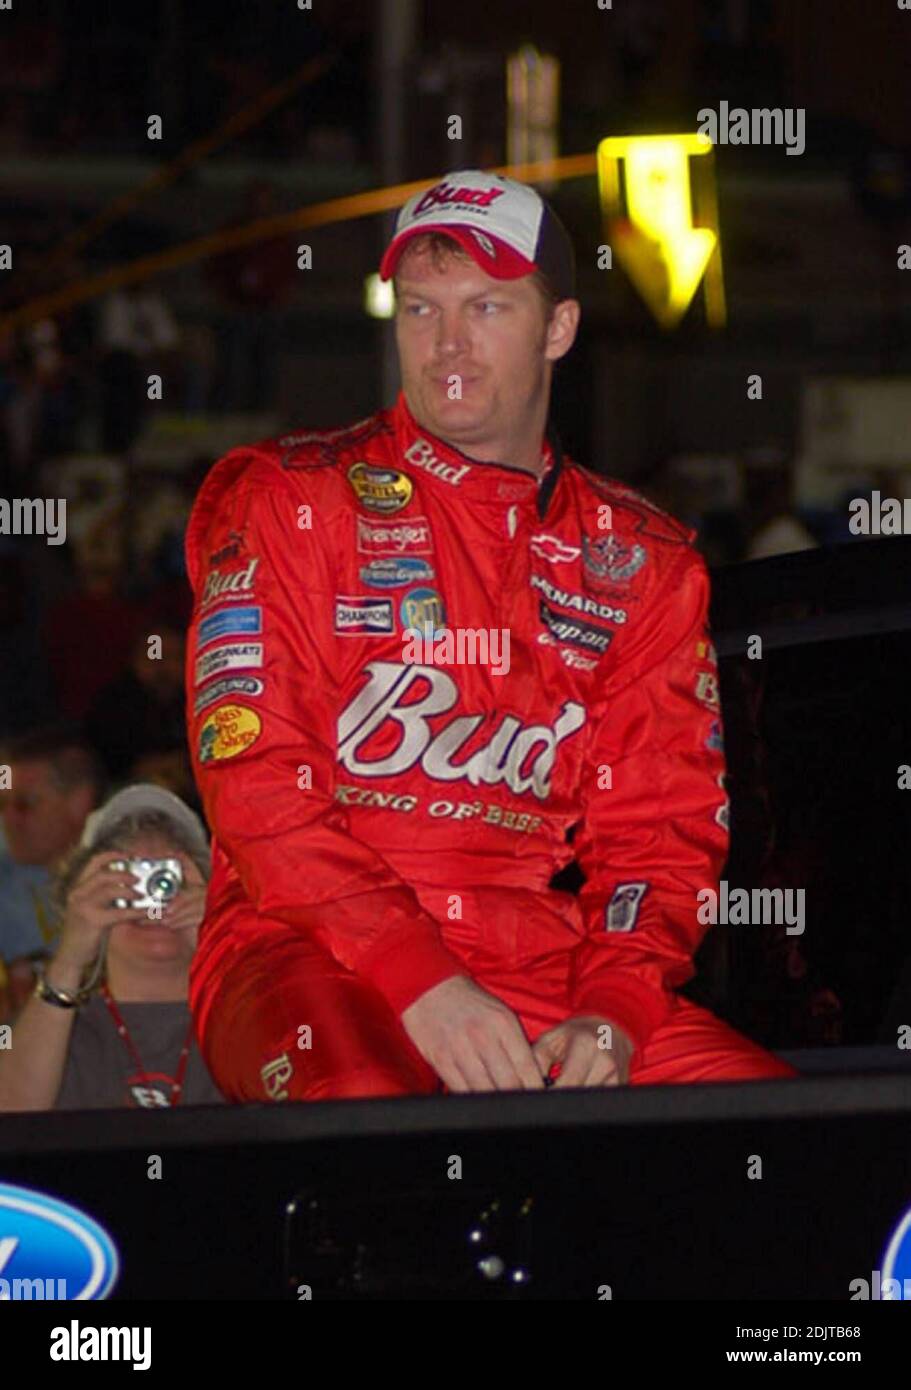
x=49, y=1249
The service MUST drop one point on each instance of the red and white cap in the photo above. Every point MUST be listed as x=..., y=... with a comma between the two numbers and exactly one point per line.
x=506, y=226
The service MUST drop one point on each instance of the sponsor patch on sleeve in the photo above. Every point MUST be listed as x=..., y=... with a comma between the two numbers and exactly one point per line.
x=233, y=656
x=229, y=622
x=248, y=686
x=227, y=732
x=622, y=912
x=229, y=585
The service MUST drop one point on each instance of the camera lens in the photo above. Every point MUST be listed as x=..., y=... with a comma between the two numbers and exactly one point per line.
x=163, y=885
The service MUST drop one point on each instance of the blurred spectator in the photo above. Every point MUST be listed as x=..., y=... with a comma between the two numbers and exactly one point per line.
x=59, y=388
x=31, y=51
x=55, y=781
x=41, y=398
x=200, y=363
x=773, y=526
x=89, y=634
x=137, y=334
x=20, y=401
x=14, y=125
x=137, y=723
x=25, y=695
x=253, y=283
x=112, y=1026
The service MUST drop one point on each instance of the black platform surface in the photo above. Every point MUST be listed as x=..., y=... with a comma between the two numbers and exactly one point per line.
x=784, y=1189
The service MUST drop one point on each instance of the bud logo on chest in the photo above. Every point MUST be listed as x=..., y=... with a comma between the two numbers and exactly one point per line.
x=521, y=755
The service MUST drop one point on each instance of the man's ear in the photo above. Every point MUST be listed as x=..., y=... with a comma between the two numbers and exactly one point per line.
x=562, y=329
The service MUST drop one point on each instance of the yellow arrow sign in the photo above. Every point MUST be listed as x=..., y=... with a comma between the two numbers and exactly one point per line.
x=664, y=255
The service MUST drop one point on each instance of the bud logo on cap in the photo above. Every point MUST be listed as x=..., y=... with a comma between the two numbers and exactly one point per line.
x=505, y=225
x=445, y=193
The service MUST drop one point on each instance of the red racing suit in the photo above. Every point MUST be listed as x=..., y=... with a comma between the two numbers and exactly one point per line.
x=401, y=801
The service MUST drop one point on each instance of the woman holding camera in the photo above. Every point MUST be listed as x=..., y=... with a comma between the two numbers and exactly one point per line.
x=108, y=1024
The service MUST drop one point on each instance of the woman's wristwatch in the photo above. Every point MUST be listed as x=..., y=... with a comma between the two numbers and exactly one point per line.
x=63, y=998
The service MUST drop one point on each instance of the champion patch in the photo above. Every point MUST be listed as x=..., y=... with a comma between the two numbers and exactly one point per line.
x=369, y=617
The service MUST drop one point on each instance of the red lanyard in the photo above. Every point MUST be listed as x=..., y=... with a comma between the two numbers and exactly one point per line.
x=124, y=1032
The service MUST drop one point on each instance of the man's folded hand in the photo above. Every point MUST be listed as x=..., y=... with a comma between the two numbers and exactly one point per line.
x=589, y=1049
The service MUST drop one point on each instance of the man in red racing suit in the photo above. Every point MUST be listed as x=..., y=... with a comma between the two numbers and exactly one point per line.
x=414, y=673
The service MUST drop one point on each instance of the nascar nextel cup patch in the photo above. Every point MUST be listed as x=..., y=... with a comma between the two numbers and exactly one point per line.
x=383, y=490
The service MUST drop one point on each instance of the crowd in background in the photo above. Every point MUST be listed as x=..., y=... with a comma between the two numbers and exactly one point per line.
x=84, y=706
x=216, y=61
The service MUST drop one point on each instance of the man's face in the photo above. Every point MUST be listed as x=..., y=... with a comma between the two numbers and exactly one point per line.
x=455, y=321
x=41, y=820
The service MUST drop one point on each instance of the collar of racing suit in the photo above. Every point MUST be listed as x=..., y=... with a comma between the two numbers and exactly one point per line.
x=420, y=449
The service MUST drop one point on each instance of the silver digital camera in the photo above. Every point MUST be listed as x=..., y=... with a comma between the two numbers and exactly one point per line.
x=157, y=880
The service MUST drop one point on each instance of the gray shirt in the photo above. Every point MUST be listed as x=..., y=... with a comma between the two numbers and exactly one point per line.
x=99, y=1073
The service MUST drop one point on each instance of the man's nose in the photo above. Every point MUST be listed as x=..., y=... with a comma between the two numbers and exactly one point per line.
x=452, y=335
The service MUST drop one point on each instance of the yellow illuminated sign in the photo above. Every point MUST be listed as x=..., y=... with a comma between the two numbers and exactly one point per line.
x=663, y=254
